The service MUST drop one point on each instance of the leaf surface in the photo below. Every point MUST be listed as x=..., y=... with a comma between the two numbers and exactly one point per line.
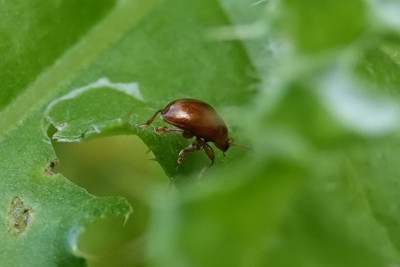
x=102, y=78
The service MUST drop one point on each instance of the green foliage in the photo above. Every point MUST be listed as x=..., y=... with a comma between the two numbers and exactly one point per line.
x=318, y=25
x=311, y=86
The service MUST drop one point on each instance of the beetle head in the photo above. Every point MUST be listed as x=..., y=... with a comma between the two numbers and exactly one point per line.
x=223, y=144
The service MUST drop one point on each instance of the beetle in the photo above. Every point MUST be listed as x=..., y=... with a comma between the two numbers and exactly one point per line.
x=194, y=118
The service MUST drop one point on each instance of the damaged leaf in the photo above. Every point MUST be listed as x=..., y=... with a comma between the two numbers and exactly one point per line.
x=99, y=72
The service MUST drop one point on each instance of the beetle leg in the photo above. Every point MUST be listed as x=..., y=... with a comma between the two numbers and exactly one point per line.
x=150, y=121
x=198, y=144
x=210, y=153
x=187, y=134
x=191, y=148
x=163, y=129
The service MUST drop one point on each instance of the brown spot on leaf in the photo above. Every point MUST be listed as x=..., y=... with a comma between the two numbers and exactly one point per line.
x=49, y=168
x=19, y=216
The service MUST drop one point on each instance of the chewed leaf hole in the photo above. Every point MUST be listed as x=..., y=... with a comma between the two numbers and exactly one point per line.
x=112, y=166
x=109, y=166
x=19, y=216
x=50, y=167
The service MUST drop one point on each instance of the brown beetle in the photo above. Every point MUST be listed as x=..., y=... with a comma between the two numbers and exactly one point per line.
x=194, y=118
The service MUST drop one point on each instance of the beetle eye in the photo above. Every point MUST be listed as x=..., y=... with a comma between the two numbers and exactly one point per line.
x=230, y=140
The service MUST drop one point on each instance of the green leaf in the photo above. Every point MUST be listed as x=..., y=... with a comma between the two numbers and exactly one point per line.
x=104, y=76
x=216, y=73
x=320, y=25
x=47, y=29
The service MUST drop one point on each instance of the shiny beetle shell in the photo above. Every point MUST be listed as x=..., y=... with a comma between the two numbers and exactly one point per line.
x=194, y=118
x=198, y=119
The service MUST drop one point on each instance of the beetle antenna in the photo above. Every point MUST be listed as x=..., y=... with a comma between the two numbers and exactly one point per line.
x=230, y=140
x=242, y=146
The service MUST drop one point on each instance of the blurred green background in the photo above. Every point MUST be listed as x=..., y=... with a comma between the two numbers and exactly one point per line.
x=312, y=86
